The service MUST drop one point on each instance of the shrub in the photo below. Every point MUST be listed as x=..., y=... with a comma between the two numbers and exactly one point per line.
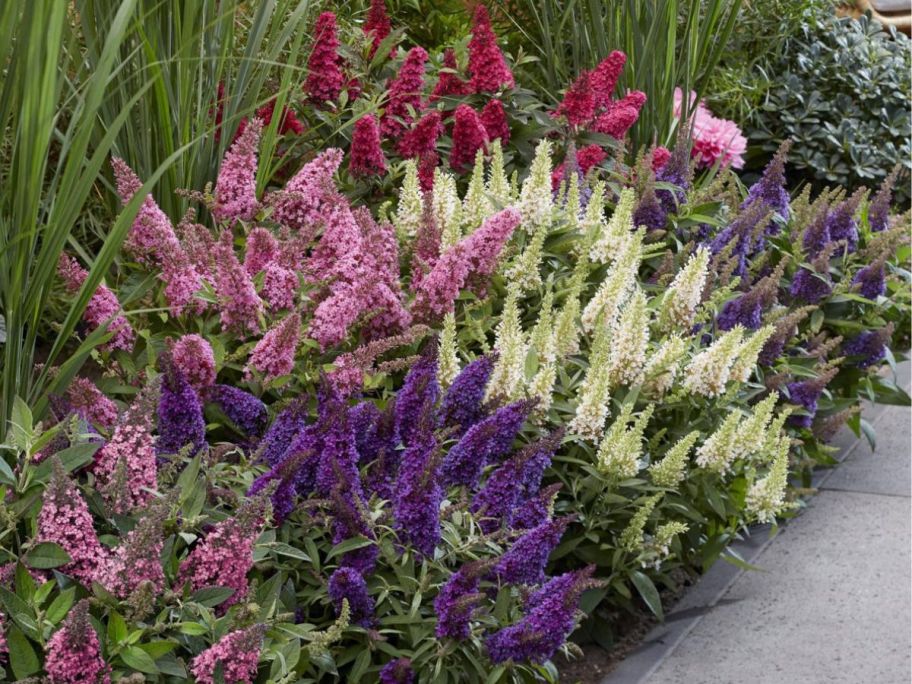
x=835, y=87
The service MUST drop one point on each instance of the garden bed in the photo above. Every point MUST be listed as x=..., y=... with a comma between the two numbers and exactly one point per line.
x=403, y=368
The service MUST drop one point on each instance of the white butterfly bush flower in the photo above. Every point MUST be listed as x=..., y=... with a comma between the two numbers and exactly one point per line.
x=683, y=296
x=535, y=200
x=411, y=204
x=709, y=371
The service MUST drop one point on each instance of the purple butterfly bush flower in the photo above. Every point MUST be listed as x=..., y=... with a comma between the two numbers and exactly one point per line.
x=806, y=393
x=484, y=442
x=770, y=190
x=871, y=280
x=810, y=286
x=286, y=475
x=463, y=404
x=180, y=414
x=870, y=346
x=363, y=418
x=378, y=450
x=649, y=211
x=745, y=310
x=418, y=495
x=418, y=396
x=513, y=483
x=457, y=599
x=740, y=231
x=243, y=409
x=282, y=431
x=348, y=583
x=524, y=562
x=676, y=171
x=879, y=208
x=536, y=510
x=397, y=671
x=549, y=619
x=841, y=222
x=350, y=520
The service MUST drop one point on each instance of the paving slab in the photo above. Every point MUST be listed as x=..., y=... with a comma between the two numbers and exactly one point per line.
x=832, y=604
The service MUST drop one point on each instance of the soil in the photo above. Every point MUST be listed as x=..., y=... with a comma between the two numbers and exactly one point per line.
x=595, y=662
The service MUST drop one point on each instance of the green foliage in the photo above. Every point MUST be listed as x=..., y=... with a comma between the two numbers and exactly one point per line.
x=53, y=154
x=838, y=88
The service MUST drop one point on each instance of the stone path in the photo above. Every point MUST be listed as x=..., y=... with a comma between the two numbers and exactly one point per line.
x=832, y=603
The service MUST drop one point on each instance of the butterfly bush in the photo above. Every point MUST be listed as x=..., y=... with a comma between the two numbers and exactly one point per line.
x=630, y=357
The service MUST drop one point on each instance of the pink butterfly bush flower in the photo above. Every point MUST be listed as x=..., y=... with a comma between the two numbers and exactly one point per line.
x=198, y=244
x=337, y=313
x=238, y=653
x=714, y=139
x=239, y=304
x=137, y=560
x=324, y=66
x=340, y=252
x=91, y=402
x=494, y=120
x=280, y=286
x=438, y=290
x=586, y=158
x=487, y=67
x=448, y=82
x=660, y=157
x=620, y=115
x=235, y=188
x=193, y=356
x=151, y=232
x=377, y=26
x=483, y=247
x=225, y=555
x=73, y=654
x=131, y=444
x=422, y=138
x=102, y=308
x=469, y=136
x=65, y=520
x=426, y=165
x=274, y=355
x=578, y=105
x=604, y=78
x=261, y=249
x=365, y=155
x=182, y=281
x=301, y=204
x=472, y=258
x=288, y=125
x=404, y=93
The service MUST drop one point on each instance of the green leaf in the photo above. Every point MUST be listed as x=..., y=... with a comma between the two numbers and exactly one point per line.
x=348, y=545
x=6, y=473
x=46, y=555
x=212, y=596
x=286, y=550
x=61, y=605
x=193, y=628
x=137, y=659
x=22, y=656
x=72, y=458
x=649, y=592
x=21, y=424
x=117, y=628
